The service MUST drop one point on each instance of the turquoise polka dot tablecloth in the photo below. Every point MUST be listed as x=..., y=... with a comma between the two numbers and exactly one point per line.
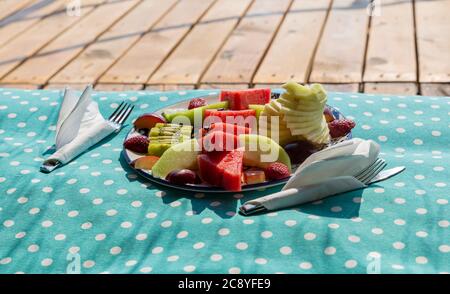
x=96, y=215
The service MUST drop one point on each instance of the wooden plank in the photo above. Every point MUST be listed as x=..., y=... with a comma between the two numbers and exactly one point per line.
x=43, y=65
x=99, y=56
x=9, y=7
x=433, y=42
x=152, y=49
x=20, y=86
x=291, y=53
x=352, y=88
x=193, y=55
x=166, y=87
x=391, y=52
x=28, y=43
x=79, y=87
x=427, y=89
x=12, y=26
x=239, y=58
x=224, y=86
x=118, y=87
x=340, y=54
x=391, y=88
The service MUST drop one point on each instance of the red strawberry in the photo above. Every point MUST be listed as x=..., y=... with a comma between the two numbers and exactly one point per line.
x=339, y=128
x=196, y=102
x=277, y=171
x=137, y=144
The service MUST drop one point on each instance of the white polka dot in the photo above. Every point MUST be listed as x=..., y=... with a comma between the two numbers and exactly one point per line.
x=97, y=201
x=444, y=248
x=329, y=250
x=199, y=245
x=88, y=263
x=420, y=192
x=115, y=250
x=151, y=215
x=354, y=239
x=443, y=223
x=419, y=177
x=146, y=269
x=72, y=213
x=22, y=200
x=71, y=181
x=261, y=261
x=241, y=245
x=421, y=234
x=435, y=133
x=20, y=235
x=111, y=212
x=166, y=224
x=12, y=115
x=207, y=220
x=224, y=232
x=234, y=270
x=366, y=127
x=163, y=98
x=108, y=182
x=175, y=203
x=421, y=211
x=382, y=138
x=182, y=234
x=266, y=234
x=399, y=222
x=5, y=260
x=189, y=268
x=141, y=236
x=377, y=231
x=33, y=248
x=60, y=237
x=418, y=142
x=398, y=245
x=378, y=190
x=86, y=226
x=126, y=225
x=421, y=260
x=440, y=185
x=290, y=223
x=47, y=189
x=74, y=249
x=173, y=258
x=157, y=250
x=95, y=174
x=34, y=210
x=46, y=262
x=351, y=263
x=442, y=201
x=438, y=168
x=216, y=257
x=336, y=209
x=309, y=236
x=84, y=190
x=248, y=221
x=122, y=191
x=285, y=250
x=106, y=161
x=305, y=265
x=378, y=210
x=333, y=226
x=100, y=237
x=47, y=223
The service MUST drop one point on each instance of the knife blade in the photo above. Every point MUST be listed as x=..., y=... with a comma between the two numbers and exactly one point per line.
x=386, y=174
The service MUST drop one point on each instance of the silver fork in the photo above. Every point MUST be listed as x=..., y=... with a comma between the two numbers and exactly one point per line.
x=365, y=176
x=120, y=115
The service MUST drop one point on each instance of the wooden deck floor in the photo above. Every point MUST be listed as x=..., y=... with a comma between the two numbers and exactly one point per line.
x=185, y=44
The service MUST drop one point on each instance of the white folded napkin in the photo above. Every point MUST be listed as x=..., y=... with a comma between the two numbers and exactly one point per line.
x=328, y=172
x=80, y=125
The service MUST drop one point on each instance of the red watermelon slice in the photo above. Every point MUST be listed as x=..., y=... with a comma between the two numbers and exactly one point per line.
x=238, y=117
x=222, y=169
x=229, y=128
x=219, y=141
x=239, y=100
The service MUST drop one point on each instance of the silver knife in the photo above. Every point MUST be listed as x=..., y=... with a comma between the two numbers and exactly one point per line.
x=386, y=174
x=248, y=209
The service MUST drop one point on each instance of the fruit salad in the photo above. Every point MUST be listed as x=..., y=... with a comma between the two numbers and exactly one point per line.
x=246, y=138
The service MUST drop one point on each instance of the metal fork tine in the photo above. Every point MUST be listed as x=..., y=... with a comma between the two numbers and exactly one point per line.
x=367, y=169
x=115, y=111
x=121, y=121
x=116, y=118
x=363, y=176
x=119, y=117
x=371, y=175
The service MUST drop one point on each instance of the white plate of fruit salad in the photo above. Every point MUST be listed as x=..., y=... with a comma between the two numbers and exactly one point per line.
x=235, y=141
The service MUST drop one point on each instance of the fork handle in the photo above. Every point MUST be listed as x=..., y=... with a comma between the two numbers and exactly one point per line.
x=297, y=196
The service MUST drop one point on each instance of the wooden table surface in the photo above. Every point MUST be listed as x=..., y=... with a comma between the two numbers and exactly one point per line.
x=402, y=47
